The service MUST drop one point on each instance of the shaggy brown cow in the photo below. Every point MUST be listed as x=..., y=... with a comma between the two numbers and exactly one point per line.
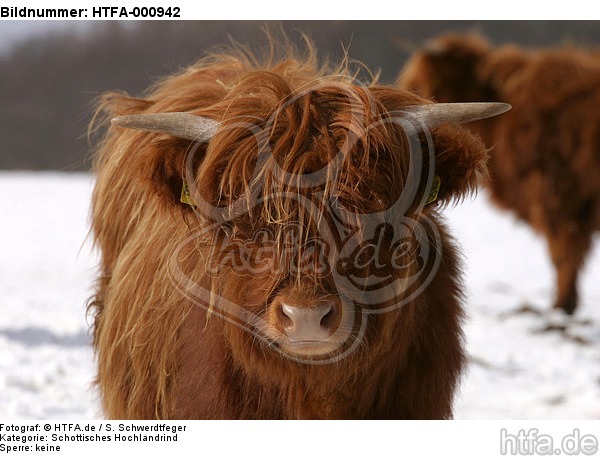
x=271, y=248
x=545, y=161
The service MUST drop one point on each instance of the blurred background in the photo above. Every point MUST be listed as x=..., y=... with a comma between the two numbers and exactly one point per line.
x=50, y=74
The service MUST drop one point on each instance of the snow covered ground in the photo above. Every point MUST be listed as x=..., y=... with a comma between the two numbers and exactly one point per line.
x=46, y=365
x=518, y=369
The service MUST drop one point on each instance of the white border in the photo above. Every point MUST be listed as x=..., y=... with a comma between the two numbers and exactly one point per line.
x=348, y=9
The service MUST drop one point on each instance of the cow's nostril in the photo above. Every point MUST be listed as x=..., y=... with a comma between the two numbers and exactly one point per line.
x=308, y=322
x=309, y=329
x=328, y=319
x=285, y=316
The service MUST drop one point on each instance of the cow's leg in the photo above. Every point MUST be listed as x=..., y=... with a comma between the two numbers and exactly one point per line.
x=568, y=248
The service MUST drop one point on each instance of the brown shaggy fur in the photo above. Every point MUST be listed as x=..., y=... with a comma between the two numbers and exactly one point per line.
x=160, y=355
x=545, y=161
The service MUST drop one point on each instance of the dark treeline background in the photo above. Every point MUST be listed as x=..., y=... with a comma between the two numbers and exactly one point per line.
x=48, y=84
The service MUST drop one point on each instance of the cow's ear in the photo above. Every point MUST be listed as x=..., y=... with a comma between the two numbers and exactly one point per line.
x=169, y=158
x=455, y=160
x=166, y=168
x=459, y=160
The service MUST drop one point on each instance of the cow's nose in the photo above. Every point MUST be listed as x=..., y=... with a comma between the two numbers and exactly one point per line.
x=308, y=323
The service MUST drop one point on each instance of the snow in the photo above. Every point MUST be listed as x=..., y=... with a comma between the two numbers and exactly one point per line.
x=46, y=273
x=518, y=368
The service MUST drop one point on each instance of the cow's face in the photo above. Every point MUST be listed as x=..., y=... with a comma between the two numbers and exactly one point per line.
x=311, y=291
x=314, y=210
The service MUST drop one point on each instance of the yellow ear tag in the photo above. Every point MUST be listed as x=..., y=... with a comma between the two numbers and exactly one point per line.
x=185, y=194
x=435, y=190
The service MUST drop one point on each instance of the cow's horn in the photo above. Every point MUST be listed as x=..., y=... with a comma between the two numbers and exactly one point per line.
x=180, y=124
x=457, y=113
